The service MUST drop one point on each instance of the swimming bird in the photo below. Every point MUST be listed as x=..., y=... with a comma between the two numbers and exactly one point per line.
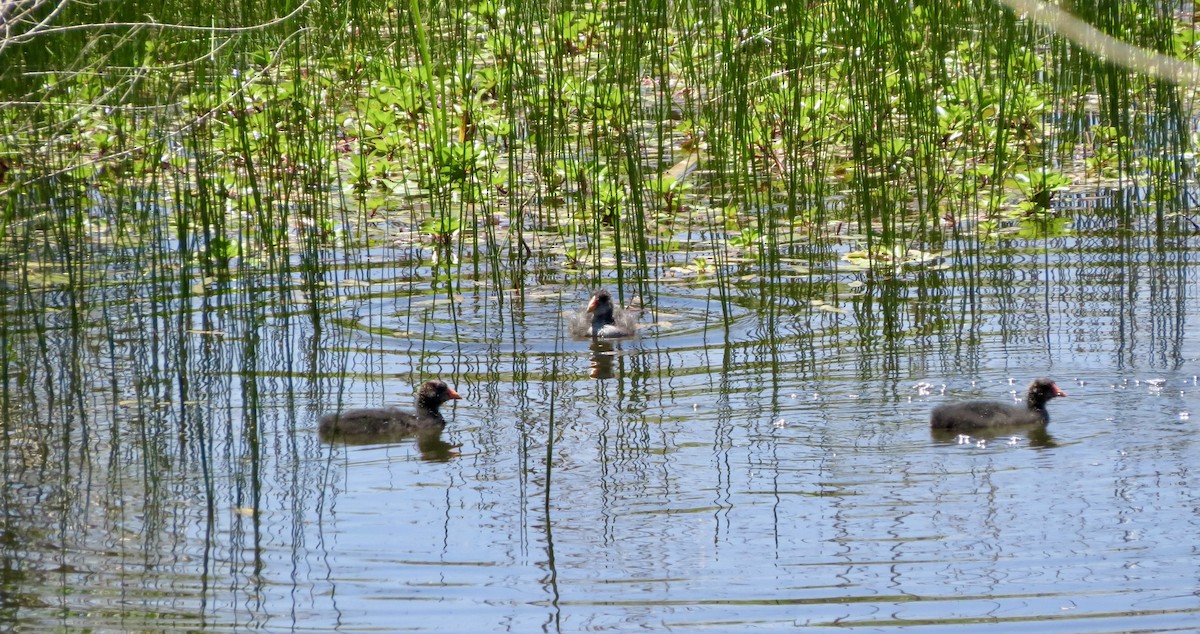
x=601, y=319
x=383, y=421
x=971, y=415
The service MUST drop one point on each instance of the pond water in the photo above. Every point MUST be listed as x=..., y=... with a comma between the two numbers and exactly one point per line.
x=770, y=470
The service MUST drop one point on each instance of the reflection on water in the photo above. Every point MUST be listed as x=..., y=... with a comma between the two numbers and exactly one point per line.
x=1037, y=436
x=429, y=442
x=765, y=462
x=602, y=359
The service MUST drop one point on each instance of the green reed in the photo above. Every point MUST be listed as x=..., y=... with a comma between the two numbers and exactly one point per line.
x=512, y=133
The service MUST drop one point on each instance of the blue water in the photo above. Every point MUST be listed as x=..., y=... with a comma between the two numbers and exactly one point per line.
x=768, y=471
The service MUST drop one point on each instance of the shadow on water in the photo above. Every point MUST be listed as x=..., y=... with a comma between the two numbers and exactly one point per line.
x=1036, y=436
x=603, y=355
x=604, y=358
x=428, y=442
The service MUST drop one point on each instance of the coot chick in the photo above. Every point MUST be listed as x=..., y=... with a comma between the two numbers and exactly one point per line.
x=600, y=319
x=383, y=421
x=991, y=414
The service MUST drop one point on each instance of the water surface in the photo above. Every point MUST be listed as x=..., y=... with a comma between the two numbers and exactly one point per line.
x=767, y=470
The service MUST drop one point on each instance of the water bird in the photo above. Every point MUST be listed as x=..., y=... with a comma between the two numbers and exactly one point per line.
x=601, y=319
x=383, y=421
x=971, y=415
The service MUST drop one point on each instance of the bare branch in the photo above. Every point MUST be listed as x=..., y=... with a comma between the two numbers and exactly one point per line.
x=1105, y=46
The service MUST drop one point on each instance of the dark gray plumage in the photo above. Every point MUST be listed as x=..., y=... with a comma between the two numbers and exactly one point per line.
x=601, y=319
x=971, y=415
x=382, y=421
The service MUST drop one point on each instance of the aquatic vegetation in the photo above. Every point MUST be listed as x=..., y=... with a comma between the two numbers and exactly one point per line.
x=623, y=131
